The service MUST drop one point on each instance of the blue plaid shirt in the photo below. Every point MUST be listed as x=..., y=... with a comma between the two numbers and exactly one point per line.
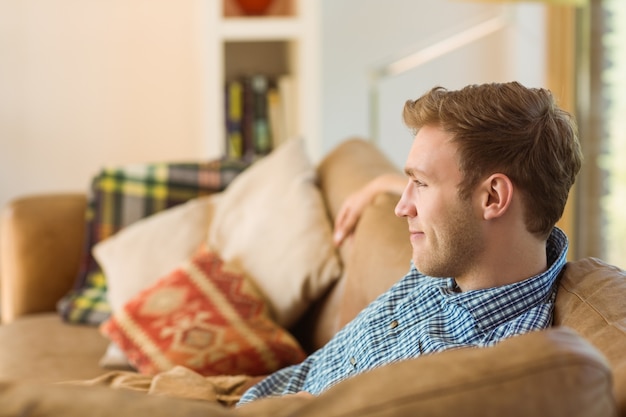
x=421, y=315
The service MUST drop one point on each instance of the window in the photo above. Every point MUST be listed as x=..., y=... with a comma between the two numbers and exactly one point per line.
x=601, y=194
x=613, y=161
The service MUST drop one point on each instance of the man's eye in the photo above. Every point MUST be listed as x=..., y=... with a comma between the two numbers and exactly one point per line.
x=419, y=183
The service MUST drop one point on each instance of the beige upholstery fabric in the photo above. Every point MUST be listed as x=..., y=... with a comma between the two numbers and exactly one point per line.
x=591, y=301
x=271, y=220
x=347, y=168
x=547, y=373
x=369, y=273
x=40, y=248
x=26, y=400
x=142, y=253
x=178, y=382
x=40, y=347
x=552, y=373
x=371, y=265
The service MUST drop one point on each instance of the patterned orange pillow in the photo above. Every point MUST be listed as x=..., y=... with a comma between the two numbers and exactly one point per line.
x=203, y=316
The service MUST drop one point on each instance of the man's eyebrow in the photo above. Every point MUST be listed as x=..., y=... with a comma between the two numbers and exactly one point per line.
x=413, y=172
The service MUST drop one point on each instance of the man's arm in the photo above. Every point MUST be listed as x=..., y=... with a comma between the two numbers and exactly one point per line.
x=351, y=209
x=285, y=381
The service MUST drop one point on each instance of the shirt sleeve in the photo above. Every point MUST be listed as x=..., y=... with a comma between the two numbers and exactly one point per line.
x=288, y=380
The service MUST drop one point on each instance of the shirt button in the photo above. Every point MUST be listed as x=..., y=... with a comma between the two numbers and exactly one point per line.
x=353, y=361
x=393, y=324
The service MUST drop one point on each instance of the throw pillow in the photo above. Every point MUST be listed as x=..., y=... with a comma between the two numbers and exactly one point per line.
x=272, y=221
x=119, y=196
x=140, y=254
x=206, y=316
x=165, y=239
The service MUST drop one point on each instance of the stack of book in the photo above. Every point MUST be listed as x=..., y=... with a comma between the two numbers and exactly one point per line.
x=260, y=114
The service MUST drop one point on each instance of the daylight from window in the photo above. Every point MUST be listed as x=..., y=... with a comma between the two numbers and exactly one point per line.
x=614, y=162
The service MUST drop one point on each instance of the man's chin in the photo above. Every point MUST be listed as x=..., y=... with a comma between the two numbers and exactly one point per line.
x=420, y=265
x=428, y=269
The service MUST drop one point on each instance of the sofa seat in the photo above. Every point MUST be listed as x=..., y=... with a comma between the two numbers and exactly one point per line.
x=50, y=350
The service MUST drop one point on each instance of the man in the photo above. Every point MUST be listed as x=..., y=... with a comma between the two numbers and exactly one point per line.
x=489, y=173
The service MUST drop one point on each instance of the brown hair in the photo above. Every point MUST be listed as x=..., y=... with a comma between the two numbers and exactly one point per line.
x=510, y=129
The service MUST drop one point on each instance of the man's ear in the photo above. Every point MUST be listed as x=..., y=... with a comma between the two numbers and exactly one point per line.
x=496, y=195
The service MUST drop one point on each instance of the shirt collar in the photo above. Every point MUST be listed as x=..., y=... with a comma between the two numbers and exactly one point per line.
x=492, y=307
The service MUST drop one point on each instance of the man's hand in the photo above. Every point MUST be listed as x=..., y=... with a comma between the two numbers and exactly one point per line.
x=349, y=214
x=352, y=208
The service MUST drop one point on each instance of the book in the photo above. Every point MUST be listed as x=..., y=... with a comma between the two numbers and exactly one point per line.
x=260, y=115
x=289, y=104
x=234, y=119
x=247, y=122
x=276, y=117
x=261, y=131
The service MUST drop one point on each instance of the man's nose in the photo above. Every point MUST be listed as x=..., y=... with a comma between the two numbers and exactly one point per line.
x=405, y=208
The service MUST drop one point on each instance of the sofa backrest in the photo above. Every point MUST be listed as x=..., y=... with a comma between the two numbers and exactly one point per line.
x=592, y=300
x=375, y=257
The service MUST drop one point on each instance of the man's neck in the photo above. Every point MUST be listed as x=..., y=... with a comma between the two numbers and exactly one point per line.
x=506, y=262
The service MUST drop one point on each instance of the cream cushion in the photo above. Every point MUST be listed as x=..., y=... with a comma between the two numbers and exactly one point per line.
x=272, y=222
x=143, y=252
x=140, y=254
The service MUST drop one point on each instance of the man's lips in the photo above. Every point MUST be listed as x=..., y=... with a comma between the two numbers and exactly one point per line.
x=415, y=234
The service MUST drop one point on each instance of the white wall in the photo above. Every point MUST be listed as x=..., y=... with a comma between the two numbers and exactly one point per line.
x=87, y=83
x=362, y=35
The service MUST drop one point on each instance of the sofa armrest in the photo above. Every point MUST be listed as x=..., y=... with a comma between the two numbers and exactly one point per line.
x=553, y=373
x=346, y=169
x=40, y=247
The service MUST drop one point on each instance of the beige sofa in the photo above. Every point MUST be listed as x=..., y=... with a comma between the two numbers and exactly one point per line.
x=576, y=368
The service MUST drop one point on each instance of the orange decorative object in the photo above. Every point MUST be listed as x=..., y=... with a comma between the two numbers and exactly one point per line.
x=254, y=7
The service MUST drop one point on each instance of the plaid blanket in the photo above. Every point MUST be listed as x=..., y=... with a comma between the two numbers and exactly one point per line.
x=120, y=196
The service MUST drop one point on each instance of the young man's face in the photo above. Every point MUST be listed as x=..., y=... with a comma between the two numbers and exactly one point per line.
x=445, y=231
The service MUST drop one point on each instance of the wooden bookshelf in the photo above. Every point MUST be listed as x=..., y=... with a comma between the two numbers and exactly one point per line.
x=283, y=43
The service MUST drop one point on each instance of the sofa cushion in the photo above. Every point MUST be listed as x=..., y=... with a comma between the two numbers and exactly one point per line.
x=42, y=348
x=590, y=300
x=120, y=196
x=373, y=267
x=140, y=254
x=272, y=221
x=546, y=373
x=36, y=400
x=205, y=316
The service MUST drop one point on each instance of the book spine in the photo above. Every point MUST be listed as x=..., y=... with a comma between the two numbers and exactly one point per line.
x=289, y=105
x=247, y=123
x=256, y=115
x=275, y=117
x=261, y=130
x=234, y=118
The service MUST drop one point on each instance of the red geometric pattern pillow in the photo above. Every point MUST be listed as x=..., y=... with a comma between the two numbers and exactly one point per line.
x=206, y=318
